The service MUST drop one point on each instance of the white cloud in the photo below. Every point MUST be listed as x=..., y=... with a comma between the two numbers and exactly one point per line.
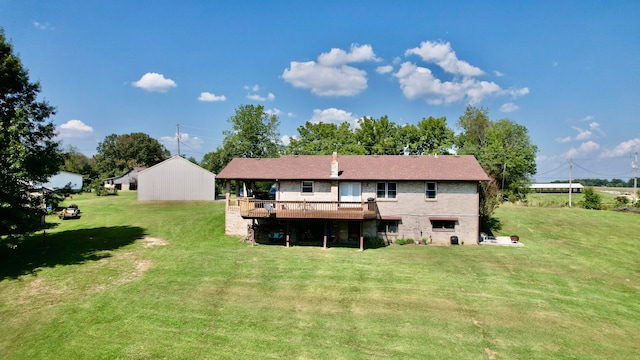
x=419, y=82
x=443, y=55
x=290, y=114
x=152, y=81
x=274, y=111
x=623, y=149
x=384, y=69
x=210, y=97
x=587, y=118
x=583, y=150
x=74, y=129
x=333, y=115
x=509, y=107
x=565, y=139
x=286, y=139
x=498, y=73
x=253, y=88
x=331, y=76
x=256, y=97
x=337, y=56
x=42, y=26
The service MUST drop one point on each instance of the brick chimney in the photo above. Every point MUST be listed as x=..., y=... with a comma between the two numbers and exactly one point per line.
x=334, y=165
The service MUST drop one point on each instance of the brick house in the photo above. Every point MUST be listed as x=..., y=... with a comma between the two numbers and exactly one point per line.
x=337, y=200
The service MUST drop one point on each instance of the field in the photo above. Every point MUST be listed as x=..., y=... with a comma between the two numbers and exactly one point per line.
x=161, y=280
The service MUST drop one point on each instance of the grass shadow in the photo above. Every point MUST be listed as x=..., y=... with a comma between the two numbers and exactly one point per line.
x=64, y=248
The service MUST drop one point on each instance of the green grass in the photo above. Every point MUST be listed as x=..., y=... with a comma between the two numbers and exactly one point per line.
x=93, y=289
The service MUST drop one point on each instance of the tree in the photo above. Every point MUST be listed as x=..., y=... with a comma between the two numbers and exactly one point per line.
x=28, y=152
x=430, y=136
x=254, y=134
x=323, y=139
x=119, y=153
x=503, y=148
x=591, y=199
x=509, y=157
x=379, y=136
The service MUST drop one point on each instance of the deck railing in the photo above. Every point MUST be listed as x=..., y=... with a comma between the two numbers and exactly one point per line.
x=356, y=210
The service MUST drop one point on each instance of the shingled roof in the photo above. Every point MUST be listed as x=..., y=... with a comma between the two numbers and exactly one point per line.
x=357, y=167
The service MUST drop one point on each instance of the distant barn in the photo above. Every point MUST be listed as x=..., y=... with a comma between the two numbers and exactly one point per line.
x=176, y=179
x=557, y=188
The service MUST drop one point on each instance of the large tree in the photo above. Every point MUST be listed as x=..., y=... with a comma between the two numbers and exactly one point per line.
x=379, y=136
x=28, y=152
x=323, y=139
x=119, y=153
x=431, y=136
x=254, y=134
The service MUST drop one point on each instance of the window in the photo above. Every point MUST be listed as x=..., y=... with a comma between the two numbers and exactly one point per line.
x=307, y=186
x=431, y=190
x=386, y=190
x=443, y=225
x=388, y=226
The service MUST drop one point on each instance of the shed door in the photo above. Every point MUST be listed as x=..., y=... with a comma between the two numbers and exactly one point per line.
x=350, y=191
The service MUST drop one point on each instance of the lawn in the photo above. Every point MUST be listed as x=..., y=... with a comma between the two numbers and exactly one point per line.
x=161, y=280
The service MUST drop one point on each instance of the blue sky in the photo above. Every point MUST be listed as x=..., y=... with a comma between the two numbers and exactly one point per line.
x=567, y=70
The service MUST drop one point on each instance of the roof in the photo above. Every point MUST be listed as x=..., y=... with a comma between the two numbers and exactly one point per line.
x=556, y=186
x=173, y=159
x=357, y=167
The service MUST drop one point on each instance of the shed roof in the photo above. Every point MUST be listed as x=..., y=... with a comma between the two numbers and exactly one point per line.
x=357, y=167
x=556, y=186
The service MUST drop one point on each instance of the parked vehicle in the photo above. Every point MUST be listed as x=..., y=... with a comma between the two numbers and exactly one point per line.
x=71, y=212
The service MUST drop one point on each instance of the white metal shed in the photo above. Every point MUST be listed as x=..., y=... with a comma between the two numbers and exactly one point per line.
x=176, y=179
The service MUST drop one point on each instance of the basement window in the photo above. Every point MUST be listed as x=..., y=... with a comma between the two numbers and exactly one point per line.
x=388, y=226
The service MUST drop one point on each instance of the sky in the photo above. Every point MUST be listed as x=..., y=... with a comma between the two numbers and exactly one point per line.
x=569, y=71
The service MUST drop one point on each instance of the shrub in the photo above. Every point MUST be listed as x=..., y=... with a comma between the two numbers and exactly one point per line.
x=621, y=201
x=591, y=199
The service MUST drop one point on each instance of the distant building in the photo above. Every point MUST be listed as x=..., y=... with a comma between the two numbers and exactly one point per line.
x=176, y=179
x=127, y=181
x=64, y=178
x=557, y=188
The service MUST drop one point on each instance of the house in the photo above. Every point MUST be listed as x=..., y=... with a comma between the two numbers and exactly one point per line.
x=62, y=179
x=127, y=181
x=176, y=179
x=342, y=199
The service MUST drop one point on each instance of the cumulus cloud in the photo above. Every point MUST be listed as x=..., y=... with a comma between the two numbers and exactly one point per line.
x=443, y=55
x=286, y=139
x=210, y=97
x=565, y=139
x=256, y=97
x=509, y=107
x=498, y=73
x=584, y=149
x=274, y=111
x=333, y=115
x=74, y=129
x=330, y=75
x=593, y=132
x=155, y=82
x=420, y=82
x=623, y=149
x=384, y=69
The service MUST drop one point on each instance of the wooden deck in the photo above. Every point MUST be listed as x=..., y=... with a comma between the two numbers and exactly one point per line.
x=258, y=209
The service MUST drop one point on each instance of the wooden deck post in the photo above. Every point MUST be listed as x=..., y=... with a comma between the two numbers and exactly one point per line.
x=286, y=237
x=361, y=237
x=253, y=232
x=324, y=243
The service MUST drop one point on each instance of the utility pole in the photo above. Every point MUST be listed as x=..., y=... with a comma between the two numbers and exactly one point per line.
x=570, y=179
x=634, y=164
x=178, y=137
